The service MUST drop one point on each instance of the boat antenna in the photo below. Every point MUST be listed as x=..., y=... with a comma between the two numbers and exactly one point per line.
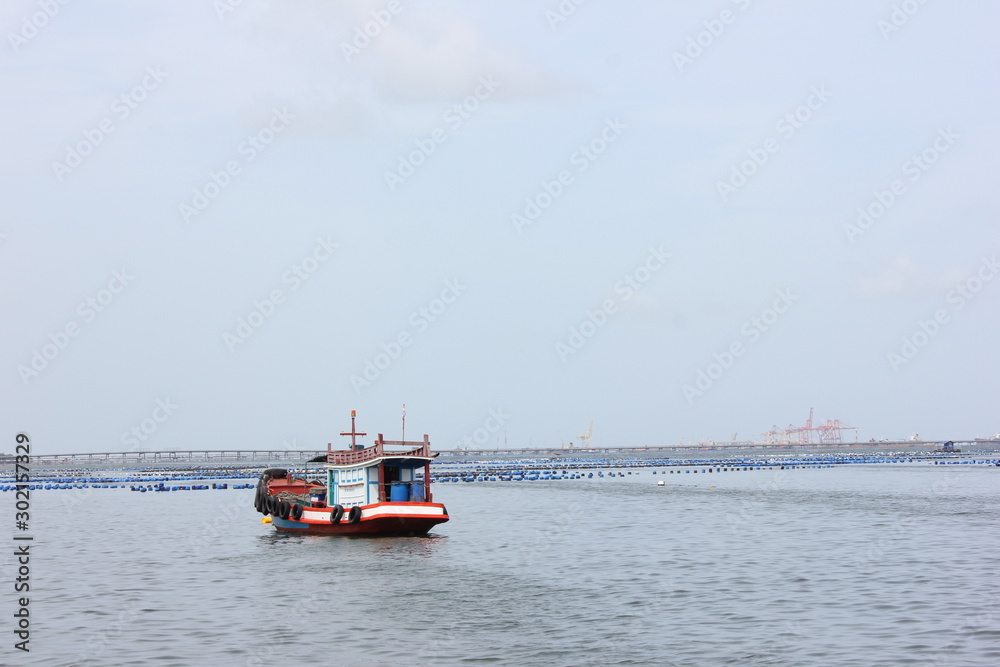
x=403, y=438
x=354, y=431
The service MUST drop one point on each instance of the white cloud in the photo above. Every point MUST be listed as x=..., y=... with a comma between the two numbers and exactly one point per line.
x=902, y=277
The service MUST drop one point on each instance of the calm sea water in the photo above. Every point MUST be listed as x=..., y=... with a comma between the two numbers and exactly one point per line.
x=857, y=565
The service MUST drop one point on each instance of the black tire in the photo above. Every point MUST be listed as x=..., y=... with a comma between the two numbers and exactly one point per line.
x=276, y=473
x=271, y=504
x=295, y=512
x=354, y=515
x=336, y=514
x=284, y=509
x=258, y=498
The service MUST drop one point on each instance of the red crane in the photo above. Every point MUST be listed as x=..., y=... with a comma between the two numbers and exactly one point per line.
x=830, y=432
x=805, y=432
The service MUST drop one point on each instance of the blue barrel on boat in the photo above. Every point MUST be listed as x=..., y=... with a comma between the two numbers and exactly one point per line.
x=417, y=492
x=399, y=492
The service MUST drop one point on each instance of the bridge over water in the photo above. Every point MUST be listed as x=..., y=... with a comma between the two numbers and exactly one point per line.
x=300, y=455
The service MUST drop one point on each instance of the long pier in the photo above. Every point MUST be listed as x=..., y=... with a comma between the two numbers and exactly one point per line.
x=299, y=455
x=711, y=447
x=180, y=456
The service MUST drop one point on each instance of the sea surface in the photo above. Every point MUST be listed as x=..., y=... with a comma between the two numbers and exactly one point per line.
x=895, y=564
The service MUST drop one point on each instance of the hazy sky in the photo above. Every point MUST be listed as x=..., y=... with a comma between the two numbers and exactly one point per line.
x=227, y=225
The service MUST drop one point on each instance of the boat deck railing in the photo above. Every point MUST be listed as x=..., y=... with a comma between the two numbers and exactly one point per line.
x=379, y=449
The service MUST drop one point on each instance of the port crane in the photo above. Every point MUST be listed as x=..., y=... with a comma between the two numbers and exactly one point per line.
x=829, y=432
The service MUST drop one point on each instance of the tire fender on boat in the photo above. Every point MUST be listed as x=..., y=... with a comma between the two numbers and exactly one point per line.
x=284, y=509
x=336, y=514
x=295, y=512
x=258, y=499
x=271, y=504
x=354, y=515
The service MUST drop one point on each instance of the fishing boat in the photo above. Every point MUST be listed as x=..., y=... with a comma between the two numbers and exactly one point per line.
x=383, y=489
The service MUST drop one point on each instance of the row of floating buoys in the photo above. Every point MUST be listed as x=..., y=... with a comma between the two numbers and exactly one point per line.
x=40, y=487
x=119, y=480
x=150, y=479
x=193, y=487
x=143, y=475
x=487, y=467
x=484, y=470
x=555, y=474
x=497, y=471
x=148, y=487
x=993, y=462
x=631, y=463
x=63, y=479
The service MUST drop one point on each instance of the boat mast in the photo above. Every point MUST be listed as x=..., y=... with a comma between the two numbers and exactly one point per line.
x=354, y=431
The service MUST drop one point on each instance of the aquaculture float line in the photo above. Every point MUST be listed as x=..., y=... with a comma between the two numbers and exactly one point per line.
x=174, y=479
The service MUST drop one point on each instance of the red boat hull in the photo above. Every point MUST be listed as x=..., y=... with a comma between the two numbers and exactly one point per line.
x=383, y=519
